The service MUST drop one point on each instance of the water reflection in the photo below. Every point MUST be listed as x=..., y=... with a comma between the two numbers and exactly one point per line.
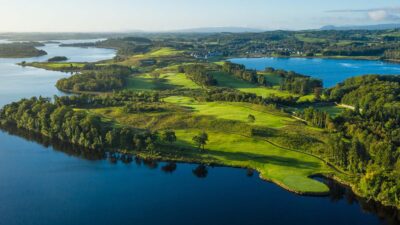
x=200, y=171
x=169, y=167
x=338, y=193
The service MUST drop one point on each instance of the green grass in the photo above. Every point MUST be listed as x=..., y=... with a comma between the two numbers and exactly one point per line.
x=145, y=82
x=233, y=111
x=164, y=52
x=289, y=169
x=226, y=80
x=179, y=80
x=154, y=54
x=57, y=65
x=230, y=142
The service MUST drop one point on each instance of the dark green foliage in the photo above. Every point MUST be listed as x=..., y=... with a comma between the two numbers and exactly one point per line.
x=57, y=59
x=104, y=79
x=232, y=95
x=374, y=129
x=251, y=118
x=201, y=140
x=78, y=128
x=168, y=136
x=299, y=84
x=242, y=73
x=199, y=74
x=120, y=98
x=315, y=117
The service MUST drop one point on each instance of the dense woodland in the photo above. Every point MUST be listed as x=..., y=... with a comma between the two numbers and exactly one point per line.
x=199, y=74
x=96, y=79
x=368, y=138
x=79, y=128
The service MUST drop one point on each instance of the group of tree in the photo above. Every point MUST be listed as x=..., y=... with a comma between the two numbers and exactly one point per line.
x=367, y=139
x=242, y=73
x=199, y=74
x=102, y=79
x=300, y=84
x=76, y=127
x=120, y=98
x=233, y=95
x=57, y=59
x=316, y=117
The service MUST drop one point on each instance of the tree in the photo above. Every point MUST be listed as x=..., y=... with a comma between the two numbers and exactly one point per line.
x=201, y=140
x=168, y=136
x=317, y=93
x=251, y=118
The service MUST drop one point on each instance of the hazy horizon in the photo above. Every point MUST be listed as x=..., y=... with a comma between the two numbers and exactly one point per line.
x=158, y=15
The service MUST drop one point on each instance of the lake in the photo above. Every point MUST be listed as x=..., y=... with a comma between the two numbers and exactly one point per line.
x=44, y=182
x=331, y=71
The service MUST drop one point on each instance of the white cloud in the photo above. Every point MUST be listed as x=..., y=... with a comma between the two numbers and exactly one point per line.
x=376, y=15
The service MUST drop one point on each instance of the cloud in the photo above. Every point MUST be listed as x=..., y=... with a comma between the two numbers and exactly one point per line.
x=376, y=14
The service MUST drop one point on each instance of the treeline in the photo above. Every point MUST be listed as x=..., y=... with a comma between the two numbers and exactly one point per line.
x=21, y=50
x=103, y=79
x=242, y=73
x=297, y=83
x=232, y=95
x=368, y=138
x=76, y=127
x=355, y=49
x=314, y=116
x=199, y=74
x=120, y=98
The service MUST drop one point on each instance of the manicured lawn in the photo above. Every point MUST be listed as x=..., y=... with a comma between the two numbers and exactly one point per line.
x=287, y=168
x=234, y=111
x=228, y=143
x=145, y=82
x=157, y=53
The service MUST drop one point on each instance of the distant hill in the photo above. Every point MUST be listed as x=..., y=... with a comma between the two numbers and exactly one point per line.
x=364, y=27
x=218, y=30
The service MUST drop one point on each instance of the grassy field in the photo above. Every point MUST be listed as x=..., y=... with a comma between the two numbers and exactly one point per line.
x=237, y=111
x=57, y=65
x=169, y=80
x=290, y=170
x=229, y=141
x=226, y=80
x=154, y=54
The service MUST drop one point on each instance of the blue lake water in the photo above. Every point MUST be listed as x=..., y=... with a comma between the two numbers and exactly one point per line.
x=47, y=183
x=331, y=71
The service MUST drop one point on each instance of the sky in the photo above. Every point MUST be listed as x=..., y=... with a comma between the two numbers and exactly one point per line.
x=167, y=15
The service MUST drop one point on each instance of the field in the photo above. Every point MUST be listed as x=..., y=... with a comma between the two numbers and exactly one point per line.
x=146, y=82
x=230, y=141
x=155, y=54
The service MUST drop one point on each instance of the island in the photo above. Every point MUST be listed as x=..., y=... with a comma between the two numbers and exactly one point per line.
x=172, y=100
x=57, y=59
x=21, y=50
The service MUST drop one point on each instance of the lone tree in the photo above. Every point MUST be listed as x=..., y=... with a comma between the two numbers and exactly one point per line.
x=201, y=140
x=251, y=118
x=168, y=136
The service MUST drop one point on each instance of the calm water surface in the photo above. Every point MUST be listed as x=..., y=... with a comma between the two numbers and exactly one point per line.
x=44, y=182
x=331, y=71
